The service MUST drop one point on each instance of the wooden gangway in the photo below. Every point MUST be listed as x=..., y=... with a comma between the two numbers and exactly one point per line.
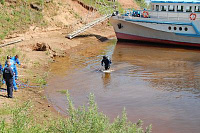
x=88, y=26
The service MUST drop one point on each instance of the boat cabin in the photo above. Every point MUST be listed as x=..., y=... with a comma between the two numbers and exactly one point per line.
x=175, y=9
x=187, y=10
x=175, y=5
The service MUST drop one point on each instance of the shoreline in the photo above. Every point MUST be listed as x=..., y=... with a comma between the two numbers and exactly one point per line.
x=37, y=52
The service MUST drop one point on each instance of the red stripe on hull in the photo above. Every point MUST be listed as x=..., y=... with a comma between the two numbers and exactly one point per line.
x=145, y=39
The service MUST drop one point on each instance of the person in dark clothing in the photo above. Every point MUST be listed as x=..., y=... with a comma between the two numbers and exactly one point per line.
x=14, y=68
x=1, y=72
x=8, y=77
x=106, y=63
x=1, y=66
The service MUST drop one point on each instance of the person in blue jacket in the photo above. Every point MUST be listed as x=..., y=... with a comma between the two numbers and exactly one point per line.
x=13, y=66
x=1, y=72
x=1, y=68
x=16, y=61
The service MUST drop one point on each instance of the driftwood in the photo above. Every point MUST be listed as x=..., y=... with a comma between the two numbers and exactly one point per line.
x=10, y=43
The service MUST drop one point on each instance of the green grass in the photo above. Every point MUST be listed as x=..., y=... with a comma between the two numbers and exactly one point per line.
x=39, y=80
x=63, y=91
x=76, y=15
x=101, y=8
x=20, y=121
x=5, y=110
x=141, y=3
x=36, y=64
x=2, y=2
x=8, y=51
x=18, y=17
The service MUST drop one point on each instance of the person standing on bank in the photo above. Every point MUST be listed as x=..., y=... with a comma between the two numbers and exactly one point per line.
x=16, y=61
x=1, y=68
x=14, y=68
x=8, y=77
x=1, y=73
x=8, y=58
x=106, y=63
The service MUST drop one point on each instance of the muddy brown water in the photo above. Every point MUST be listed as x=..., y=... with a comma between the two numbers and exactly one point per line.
x=159, y=85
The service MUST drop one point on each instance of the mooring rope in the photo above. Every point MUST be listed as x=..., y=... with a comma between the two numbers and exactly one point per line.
x=22, y=85
x=26, y=85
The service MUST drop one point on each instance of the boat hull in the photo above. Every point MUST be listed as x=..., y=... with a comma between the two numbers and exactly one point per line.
x=150, y=32
x=123, y=36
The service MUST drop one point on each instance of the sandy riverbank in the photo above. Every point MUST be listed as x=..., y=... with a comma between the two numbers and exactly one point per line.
x=37, y=52
x=41, y=45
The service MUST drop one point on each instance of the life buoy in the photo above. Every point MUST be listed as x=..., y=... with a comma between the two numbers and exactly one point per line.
x=145, y=14
x=193, y=16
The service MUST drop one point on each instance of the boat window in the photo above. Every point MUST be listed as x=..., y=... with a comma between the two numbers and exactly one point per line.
x=169, y=27
x=188, y=8
x=157, y=7
x=197, y=8
x=163, y=8
x=152, y=7
x=175, y=28
x=179, y=8
x=170, y=8
x=186, y=29
x=180, y=28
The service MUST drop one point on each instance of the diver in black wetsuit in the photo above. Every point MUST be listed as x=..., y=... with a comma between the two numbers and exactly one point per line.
x=106, y=63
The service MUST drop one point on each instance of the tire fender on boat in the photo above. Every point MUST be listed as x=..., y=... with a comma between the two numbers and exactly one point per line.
x=145, y=14
x=193, y=16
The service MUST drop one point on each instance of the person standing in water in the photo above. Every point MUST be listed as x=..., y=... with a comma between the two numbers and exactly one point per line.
x=106, y=63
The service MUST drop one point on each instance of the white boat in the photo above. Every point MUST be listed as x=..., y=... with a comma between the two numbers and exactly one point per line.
x=171, y=22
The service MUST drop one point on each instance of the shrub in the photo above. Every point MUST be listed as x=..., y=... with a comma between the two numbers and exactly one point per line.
x=90, y=120
x=85, y=119
x=141, y=3
x=2, y=2
x=21, y=122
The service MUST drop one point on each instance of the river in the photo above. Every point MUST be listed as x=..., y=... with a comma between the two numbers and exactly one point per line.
x=157, y=84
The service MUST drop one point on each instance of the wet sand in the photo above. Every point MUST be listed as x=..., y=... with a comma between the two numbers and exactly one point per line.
x=159, y=85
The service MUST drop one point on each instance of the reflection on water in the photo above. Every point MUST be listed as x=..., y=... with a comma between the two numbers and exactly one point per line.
x=160, y=85
x=106, y=79
x=165, y=69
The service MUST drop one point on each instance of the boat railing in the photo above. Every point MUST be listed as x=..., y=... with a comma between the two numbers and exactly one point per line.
x=160, y=15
